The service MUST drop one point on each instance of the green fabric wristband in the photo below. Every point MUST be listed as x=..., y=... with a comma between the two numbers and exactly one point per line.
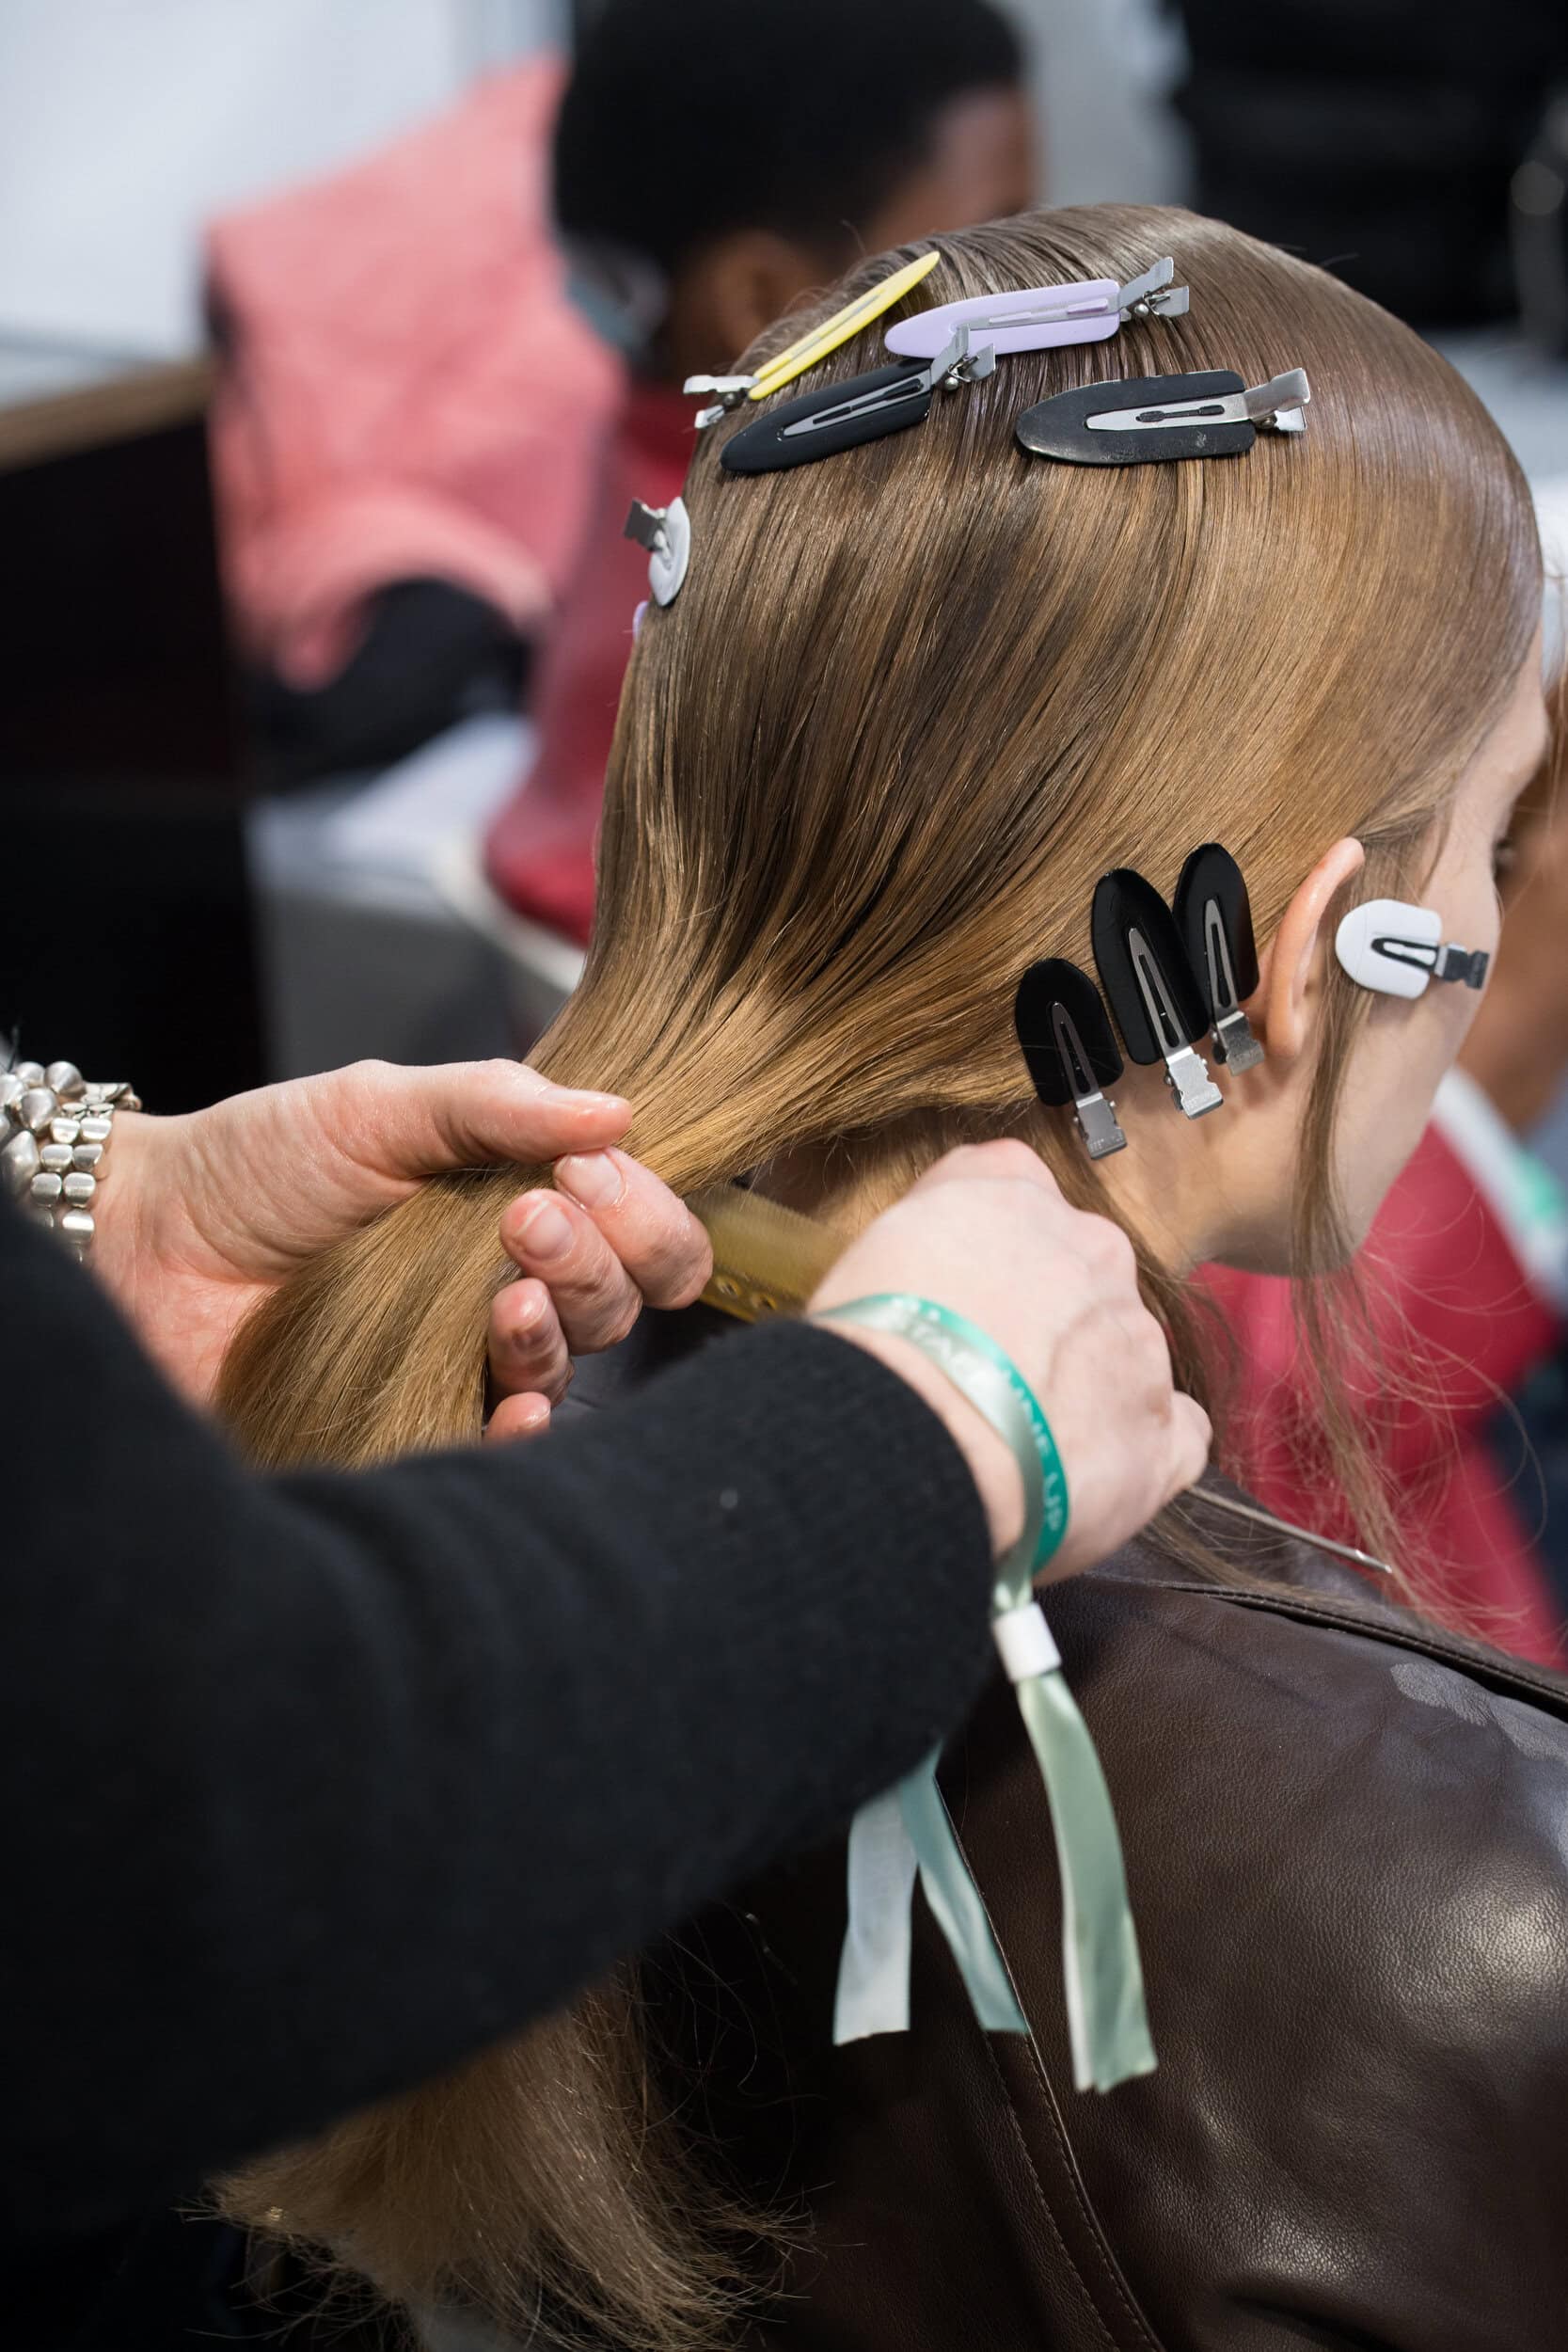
x=992, y=1383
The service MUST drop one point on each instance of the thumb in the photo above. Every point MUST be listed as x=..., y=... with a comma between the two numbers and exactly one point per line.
x=407, y=1123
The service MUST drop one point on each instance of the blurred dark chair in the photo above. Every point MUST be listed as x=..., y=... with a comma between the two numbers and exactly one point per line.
x=126, y=940
x=1378, y=137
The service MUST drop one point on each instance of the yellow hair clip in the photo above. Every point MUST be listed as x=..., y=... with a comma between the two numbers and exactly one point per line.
x=805, y=352
x=727, y=392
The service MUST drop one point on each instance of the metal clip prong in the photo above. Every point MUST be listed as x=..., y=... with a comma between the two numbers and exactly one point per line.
x=723, y=391
x=1152, y=295
x=1275, y=407
x=1096, y=1118
x=1187, y=1073
x=1234, y=1043
x=960, y=365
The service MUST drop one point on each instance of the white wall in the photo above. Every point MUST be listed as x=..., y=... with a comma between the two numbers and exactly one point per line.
x=125, y=123
x=1102, y=71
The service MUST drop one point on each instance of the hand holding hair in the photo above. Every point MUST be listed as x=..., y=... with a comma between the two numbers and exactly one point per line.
x=210, y=1211
x=988, y=1233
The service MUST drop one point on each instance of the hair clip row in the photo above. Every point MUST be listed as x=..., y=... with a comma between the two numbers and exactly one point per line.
x=1170, y=972
x=1036, y=318
x=1143, y=420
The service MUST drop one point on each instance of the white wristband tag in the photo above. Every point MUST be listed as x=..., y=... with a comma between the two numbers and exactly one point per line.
x=1024, y=1644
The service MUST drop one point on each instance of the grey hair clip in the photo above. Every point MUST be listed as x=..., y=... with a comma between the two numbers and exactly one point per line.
x=1149, y=419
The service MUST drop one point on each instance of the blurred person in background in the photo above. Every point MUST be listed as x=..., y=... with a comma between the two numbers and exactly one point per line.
x=419, y=436
x=706, y=178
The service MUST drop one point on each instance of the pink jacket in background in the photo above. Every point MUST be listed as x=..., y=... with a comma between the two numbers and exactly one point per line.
x=406, y=391
x=1452, y=1303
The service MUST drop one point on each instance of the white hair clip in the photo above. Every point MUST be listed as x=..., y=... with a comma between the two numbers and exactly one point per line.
x=666, y=532
x=1396, y=949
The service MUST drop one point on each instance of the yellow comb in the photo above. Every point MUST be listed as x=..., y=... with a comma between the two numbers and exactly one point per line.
x=767, y=1261
x=808, y=349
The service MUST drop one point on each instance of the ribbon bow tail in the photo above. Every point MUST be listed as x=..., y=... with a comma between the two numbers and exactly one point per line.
x=902, y=1832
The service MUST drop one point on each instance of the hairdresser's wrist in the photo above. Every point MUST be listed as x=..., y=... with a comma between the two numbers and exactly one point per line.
x=992, y=1464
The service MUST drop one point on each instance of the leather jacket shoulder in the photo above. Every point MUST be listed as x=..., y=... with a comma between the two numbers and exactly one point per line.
x=1347, y=1846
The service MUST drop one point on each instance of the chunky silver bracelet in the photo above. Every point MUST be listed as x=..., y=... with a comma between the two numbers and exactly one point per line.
x=56, y=1127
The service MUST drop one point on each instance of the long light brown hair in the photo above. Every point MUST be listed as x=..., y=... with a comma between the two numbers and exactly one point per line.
x=911, y=703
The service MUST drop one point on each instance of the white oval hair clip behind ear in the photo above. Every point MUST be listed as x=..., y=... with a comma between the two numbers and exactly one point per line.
x=1396, y=949
x=666, y=532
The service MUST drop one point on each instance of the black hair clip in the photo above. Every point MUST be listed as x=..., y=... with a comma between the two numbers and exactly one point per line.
x=1068, y=1043
x=1156, y=417
x=1152, y=987
x=841, y=416
x=1213, y=915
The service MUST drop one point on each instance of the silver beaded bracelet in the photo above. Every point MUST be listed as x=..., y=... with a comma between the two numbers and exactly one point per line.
x=55, y=1129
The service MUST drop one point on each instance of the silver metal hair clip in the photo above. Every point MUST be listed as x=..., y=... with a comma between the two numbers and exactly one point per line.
x=1275, y=407
x=666, y=532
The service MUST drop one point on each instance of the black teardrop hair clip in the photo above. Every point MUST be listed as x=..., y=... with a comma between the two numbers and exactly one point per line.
x=1167, y=975
x=1151, y=988
x=1213, y=915
x=1068, y=1043
x=837, y=417
x=1149, y=419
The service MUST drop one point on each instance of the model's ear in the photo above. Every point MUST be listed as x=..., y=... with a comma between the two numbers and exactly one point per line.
x=740, y=283
x=1283, y=1006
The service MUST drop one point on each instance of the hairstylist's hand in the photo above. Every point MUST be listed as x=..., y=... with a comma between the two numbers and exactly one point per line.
x=988, y=1233
x=204, y=1215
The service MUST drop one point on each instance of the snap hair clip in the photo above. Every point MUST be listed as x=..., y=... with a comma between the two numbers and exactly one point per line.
x=666, y=532
x=842, y=416
x=1070, y=1049
x=1152, y=989
x=1149, y=419
x=1394, y=950
x=723, y=392
x=1042, y=318
x=817, y=344
x=1213, y=915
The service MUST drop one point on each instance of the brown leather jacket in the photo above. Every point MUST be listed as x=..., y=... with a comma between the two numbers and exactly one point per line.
x=1347, y=1844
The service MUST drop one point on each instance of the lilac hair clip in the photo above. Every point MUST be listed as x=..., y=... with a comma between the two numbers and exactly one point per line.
x=1039, y=318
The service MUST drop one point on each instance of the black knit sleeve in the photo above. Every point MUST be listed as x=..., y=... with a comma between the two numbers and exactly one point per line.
x=314, y=1785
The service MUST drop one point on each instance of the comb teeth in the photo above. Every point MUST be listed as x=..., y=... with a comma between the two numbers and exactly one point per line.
x=767, y=1260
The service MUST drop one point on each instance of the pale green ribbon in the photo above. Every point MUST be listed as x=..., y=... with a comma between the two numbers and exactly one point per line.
x=908, y=1829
